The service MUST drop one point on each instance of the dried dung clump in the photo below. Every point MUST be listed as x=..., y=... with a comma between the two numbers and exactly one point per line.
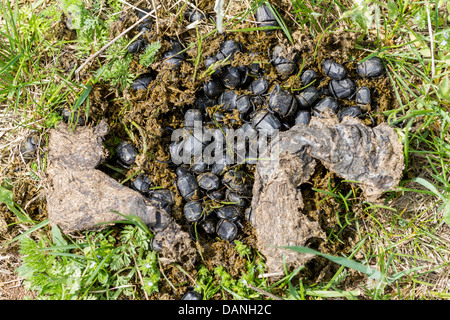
x=84, y=198
x=372, y=156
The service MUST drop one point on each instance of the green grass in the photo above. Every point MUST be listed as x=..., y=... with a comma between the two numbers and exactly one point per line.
x=400, y=240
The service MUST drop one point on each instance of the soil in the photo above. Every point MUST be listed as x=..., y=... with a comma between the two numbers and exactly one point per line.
x=151, y=115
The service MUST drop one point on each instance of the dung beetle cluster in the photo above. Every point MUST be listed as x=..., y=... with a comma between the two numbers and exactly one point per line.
x=214, y=198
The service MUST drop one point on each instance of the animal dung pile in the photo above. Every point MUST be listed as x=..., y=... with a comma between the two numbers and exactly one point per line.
x=311, y=108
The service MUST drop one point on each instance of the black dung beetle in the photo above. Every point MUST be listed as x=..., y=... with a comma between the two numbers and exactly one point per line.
x=308, y=77
x=234, y=77
x=259, y=86
x=235, y=198
x=284, y=66
x=235, y=181
x=334, y=70
x=142, y=83
x=243, y=104
x=218, y=167
x=216, y=195
x=303, y=116
x=226, y=230
x=155, y=245
x=208, y=181
x=193, y=211
x=142, y=183
x=192, y=116
x=363, y=95
x=176, y=149
x=209, y=61
x=265, y=17
x=265, y=122
x=164, y=196
x=142, y=12
x=230, y=213
x=326, y=103
x=203, y=102
x=228, y=100
x=218, y=116
x=126, y=153
x=137, y=46
x=187, y=185
x=191, y=295
x=174, y=56
x=198, y=168
x=353, y=111
x=73, y=117
x=213, y=87
x=28, y=147
x=228, y=49
x=193, y=15
x=341, y=89
x=283, y=103
x=370, y=68
x=307, y=97
x=192, y=143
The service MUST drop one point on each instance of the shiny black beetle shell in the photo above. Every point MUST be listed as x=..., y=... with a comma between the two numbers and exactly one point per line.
x=265, y=17
x=142, y=183
x=191, y=117
x=193, y=15
x=226, y=230
x=229, y=212
x=307, y=98
x=308, y=76
x=303, y=117
x=341, y=89
x=73, y=117
x=265, y=122
x=327, y=103
x=208, y=181
x=353, y=111
x=283, y=103
x=213, y=87
x=259, y=86
x=370, y=68
x=126, y=153
x=234, y=77
x=191, y=295
x=228, y=49
x=193, y=211
x=142, y=83
x=334, y=70
x=284, y=66
x=363, y=95
x=174, y=55
x=28, y=147
x=188, y=186
x=137, y=46
x=228, y=100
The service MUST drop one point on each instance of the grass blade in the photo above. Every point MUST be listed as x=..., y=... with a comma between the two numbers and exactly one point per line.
x=372, y=273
